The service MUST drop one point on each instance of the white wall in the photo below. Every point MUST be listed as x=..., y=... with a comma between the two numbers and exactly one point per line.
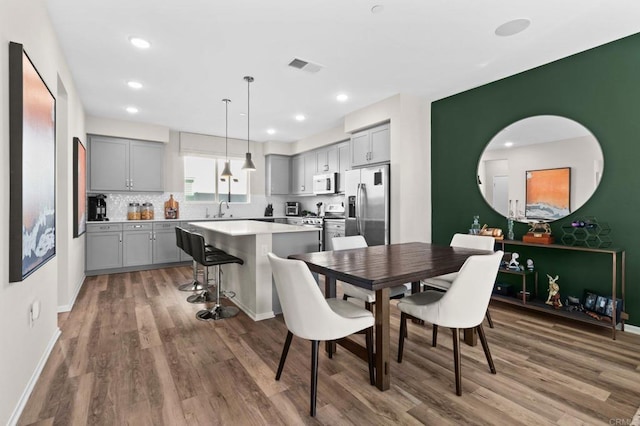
x=126, y=129
x=25, y=347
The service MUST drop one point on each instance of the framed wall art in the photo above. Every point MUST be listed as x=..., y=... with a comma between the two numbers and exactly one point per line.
x=79, y=188
x=548, y=193
x=32, y=164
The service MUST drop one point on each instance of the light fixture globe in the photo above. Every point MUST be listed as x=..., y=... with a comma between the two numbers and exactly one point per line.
x=226, y=172
x=248, y=163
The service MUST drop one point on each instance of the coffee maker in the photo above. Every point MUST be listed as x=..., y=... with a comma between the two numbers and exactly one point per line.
x=97, y=208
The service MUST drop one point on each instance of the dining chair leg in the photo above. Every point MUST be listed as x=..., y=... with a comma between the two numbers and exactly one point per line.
x=330, y=347
x=434, y=336
x=370, y=360
x=489, y=320
x=401, y=335
x=314, y=376
x=456, y=360
x=485, y=346
x=283, y=357
x=367, y=306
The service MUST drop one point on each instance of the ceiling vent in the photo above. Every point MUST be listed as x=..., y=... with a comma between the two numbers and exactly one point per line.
x=305, y=66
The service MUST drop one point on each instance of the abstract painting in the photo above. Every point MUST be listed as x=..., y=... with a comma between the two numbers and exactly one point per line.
x=548, y=193
x=79, y=188
x=32, y=164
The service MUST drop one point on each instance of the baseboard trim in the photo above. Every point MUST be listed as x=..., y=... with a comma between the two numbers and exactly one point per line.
x=67, y=308
x=22, y=402
x=631, y=329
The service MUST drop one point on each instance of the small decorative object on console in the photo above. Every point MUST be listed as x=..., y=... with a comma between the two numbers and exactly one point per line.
x=539, y=233
x=475, y=226
x=513, y=263
x=554, y=293
x=586, y=232
x=491, y=232
x=530, y=264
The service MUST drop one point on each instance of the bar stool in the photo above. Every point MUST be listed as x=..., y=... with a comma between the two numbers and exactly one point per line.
x=183, y=241
x=207, y=259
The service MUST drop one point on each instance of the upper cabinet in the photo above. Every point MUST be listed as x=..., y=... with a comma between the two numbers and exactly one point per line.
x=303, y=167
x=371, y=146
x=117, y=164
x=327, y=159
x=278, y=170
x=343, y=163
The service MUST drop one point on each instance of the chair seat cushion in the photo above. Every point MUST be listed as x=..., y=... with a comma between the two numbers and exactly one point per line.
x=417, y=304
x=369, y=295
x=443, y=282
x=347, y=309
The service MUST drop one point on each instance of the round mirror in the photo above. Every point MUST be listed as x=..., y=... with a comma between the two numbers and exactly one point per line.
x=540, y=168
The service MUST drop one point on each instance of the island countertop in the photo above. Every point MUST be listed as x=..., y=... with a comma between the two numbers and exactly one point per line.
x=251, y=227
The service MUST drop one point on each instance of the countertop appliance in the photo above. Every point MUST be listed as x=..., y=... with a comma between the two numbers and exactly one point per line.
x=292, y=208
x=324, y=184
x=97, y=208
x=367, y=195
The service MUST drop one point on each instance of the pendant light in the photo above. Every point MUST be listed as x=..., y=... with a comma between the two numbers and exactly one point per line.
x=226, y=172
x=248, y=164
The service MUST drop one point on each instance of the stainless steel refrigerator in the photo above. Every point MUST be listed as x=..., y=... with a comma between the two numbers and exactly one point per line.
x=367, y=196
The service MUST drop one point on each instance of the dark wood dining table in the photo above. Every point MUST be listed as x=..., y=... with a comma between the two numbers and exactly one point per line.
x=378, y=268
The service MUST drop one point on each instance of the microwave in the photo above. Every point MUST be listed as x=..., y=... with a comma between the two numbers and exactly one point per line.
x=325, y=184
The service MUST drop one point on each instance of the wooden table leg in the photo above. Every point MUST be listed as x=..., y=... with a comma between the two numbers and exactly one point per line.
x=470, y=336
x=329, y=293
x=382, y=314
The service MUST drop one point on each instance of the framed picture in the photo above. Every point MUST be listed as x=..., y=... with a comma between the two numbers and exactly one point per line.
x=601, y=304
x=32, y=167
x=590, y=301
x=79, y=188
x=548, y=193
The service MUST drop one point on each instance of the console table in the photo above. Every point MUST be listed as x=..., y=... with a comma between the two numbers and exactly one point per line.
x=617, y=255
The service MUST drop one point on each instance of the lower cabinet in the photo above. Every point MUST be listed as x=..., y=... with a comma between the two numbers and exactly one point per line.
x=104, y=246
x=165, y=249
x=137, y=244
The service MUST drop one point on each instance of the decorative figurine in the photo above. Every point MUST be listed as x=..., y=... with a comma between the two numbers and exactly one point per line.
x=554, y=293
x=475, y=226
x=530, y=264
x=514, y=264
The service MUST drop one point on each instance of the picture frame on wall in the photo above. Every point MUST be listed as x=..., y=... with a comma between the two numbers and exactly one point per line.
x=548, y=193
x=79, y=188
x=32, y=167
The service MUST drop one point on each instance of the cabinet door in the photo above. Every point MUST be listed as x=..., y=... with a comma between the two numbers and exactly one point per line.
x=165, y=249
x=360, y=148
x=278, y=175
x=108, y=164
x=104, y=250
x=343, y=164
x=322, y=162
x=380, y=144
x=146, y=161
x=333, y=159
x=137, y=248
x=297, y=175
x=309, y=171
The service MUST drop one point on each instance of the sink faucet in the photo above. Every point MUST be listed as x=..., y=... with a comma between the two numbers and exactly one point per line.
x=220, y=213
x=206, y=214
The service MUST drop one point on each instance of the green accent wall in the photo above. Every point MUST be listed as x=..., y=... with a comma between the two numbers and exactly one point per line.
x=599, y=88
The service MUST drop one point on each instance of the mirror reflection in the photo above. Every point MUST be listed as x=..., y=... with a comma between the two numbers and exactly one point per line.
x=540, y=168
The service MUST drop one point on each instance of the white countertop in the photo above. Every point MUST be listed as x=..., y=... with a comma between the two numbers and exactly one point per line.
x=251, y=227
x=190, y=219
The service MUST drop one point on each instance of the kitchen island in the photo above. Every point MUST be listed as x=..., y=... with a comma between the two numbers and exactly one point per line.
x=251, y=241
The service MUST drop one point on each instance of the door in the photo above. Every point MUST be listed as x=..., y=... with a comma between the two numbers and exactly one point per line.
x=104, y=250
x=380, y=144
x=109, y=164
x=147, y=166
x=360, y=144
x=500, y=200
x=374, y=223
x=137, y=248
x=165, y=249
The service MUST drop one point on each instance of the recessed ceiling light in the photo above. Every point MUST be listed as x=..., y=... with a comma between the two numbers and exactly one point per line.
x=132, y=110
x=508, y=144
x=342, y=97
x=300, y=117
x=140, y=43
x=512, y=27
x=377, y=8
x=134, y=84
x=271, y=131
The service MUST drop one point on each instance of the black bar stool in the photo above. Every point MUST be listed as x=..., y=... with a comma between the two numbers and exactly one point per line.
x=183, y=241
x=207, y=259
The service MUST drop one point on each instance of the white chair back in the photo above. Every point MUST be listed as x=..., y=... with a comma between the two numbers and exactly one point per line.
x=478, y=242
x=464, y=305
x=305, y=309
x=350, y=242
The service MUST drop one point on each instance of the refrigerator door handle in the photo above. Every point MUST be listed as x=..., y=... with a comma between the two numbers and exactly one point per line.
x=358, y=210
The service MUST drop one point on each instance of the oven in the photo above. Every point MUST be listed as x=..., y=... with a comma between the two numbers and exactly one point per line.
x=315, y=222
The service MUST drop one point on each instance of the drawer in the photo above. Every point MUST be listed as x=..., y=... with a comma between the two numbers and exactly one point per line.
x=104, y=227
x=158, y=226
x=137, y=226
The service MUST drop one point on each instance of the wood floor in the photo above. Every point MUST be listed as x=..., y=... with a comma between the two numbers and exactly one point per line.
x=132, y=352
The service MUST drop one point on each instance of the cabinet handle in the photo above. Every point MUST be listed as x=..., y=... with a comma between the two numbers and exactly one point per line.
x=137, y=226
x=130, y=183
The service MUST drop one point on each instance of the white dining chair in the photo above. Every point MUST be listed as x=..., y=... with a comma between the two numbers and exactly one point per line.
x=310, y=316
x=478, y=242
x=462, y=306
x=349, y=290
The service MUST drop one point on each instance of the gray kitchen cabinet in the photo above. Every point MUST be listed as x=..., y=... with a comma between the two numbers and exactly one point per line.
x=165, y=249
x=277, y=178
x=343, y=163
x=117, y=164
x=332, y=228
x=104, y=246
x=137, y=244
x=303, y=167
x=294, y=221
x=327, y=159
x=371, y=146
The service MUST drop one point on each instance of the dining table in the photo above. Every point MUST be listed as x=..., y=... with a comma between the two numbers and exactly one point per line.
x=379, y=268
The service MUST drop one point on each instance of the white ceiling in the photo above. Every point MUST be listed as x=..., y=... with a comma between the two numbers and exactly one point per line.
x=201, y=49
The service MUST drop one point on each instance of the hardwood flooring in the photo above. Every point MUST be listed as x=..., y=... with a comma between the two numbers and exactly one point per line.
x=132, y=353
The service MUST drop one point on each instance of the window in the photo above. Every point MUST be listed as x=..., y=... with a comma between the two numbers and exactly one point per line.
x=202, y=181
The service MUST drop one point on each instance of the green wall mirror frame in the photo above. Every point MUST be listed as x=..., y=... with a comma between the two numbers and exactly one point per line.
x=543, y=167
